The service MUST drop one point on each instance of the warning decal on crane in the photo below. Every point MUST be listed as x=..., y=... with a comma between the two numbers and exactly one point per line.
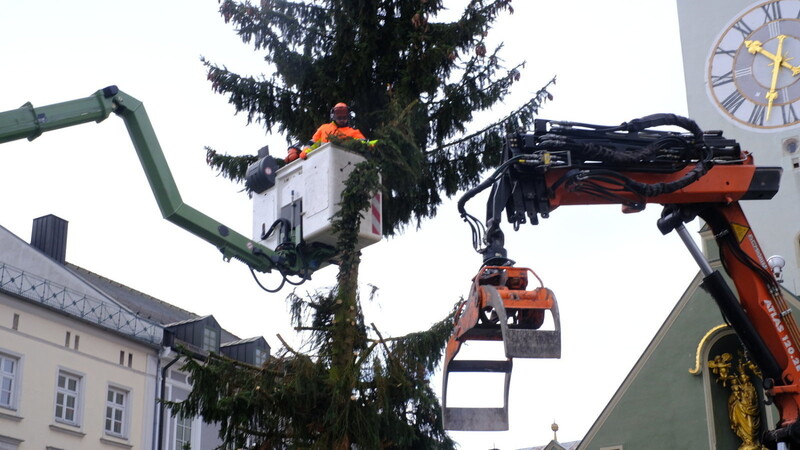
x=740, y=231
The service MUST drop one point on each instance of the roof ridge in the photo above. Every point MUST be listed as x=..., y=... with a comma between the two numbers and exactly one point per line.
x=135, y=291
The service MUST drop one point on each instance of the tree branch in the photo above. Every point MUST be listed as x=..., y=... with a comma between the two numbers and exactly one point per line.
x=536, y=99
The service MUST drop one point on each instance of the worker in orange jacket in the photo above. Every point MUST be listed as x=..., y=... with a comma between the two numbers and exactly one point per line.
x=338, y=127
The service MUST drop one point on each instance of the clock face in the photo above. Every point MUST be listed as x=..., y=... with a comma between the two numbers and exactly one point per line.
x=754, y=67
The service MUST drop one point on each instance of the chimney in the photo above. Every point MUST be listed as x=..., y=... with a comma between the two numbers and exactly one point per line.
x=49, y=235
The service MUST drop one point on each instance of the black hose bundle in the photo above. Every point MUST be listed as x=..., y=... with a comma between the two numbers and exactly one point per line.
x=598, y=155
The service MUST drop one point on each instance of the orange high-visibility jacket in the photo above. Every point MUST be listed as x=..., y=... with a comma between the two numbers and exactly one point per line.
x=327, y=130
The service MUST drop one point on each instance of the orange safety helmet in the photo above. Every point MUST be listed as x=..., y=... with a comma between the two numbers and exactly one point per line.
x=340, y=112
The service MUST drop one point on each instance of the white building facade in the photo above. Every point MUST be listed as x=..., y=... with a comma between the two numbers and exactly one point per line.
x=76, y=369
x=80, y=369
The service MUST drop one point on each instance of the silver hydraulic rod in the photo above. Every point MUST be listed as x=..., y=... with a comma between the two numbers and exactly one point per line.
x=695, y=251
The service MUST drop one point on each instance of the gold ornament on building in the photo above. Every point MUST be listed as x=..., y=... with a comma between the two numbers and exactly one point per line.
x=743, y=407
x=698, y=354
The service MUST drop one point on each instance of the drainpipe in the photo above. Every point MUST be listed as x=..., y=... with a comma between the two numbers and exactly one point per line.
x=168, y=340
x=154, y=433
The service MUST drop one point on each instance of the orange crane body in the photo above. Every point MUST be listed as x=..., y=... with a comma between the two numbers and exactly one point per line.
x=692, y=174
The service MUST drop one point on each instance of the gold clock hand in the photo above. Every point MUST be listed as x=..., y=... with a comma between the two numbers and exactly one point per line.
x=776, y=67
x=756, y=47
x=795, y=69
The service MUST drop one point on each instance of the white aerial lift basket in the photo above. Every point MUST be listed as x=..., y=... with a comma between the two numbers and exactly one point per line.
x=308, y=193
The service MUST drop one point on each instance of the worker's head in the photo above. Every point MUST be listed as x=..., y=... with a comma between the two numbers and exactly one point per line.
x=340, y=114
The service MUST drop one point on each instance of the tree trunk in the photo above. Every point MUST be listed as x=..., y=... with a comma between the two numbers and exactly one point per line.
x=345, y=329
x=345, y=317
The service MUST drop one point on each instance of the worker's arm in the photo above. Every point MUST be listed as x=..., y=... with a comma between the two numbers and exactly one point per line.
x=356, y=134
x=321, y=134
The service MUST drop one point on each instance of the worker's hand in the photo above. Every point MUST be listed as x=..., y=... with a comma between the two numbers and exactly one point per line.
x=292, y=154
x=305, y=152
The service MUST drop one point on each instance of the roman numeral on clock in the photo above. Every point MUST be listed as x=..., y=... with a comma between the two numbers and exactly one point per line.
x=721, y=79
x=788, y=114
x=772, y=11
x=733, y=101
x=757, y=115
x=743, y=28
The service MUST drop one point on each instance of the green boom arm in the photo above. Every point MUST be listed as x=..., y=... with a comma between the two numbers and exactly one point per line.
x=29, y=122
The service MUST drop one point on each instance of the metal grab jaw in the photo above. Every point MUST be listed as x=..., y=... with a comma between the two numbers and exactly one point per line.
x=499, y=308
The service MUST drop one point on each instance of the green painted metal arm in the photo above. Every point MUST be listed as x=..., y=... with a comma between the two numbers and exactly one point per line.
x=29, y=122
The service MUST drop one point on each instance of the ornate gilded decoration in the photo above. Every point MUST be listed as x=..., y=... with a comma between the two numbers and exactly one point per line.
x=743, y=407
x=700, y=345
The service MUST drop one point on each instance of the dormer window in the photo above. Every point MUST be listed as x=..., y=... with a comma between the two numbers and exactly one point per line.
x=210, y=339
x=200, y=334
x=254, y=350
x=261, y=356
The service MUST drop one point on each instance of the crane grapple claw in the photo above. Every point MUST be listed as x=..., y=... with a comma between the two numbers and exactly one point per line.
x=532, y=344
x=499, y=308
x=478, y=419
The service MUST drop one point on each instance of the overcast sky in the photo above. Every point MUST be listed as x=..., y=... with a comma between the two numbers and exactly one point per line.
x=616, y=277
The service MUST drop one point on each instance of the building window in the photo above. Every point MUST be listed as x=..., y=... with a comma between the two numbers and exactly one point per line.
x=8, y=381
x=10, y=443
x=116, y=411
x=210, y=340
x=183, y=433
x=179, y=377
x=261, y=356
x=68, y=398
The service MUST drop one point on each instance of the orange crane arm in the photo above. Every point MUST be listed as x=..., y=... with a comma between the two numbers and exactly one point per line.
x=693, y=173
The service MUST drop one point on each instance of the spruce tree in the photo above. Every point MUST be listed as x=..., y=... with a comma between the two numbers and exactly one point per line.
x=415, y=84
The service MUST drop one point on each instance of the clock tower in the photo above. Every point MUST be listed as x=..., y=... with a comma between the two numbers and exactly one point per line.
x=742, y=70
